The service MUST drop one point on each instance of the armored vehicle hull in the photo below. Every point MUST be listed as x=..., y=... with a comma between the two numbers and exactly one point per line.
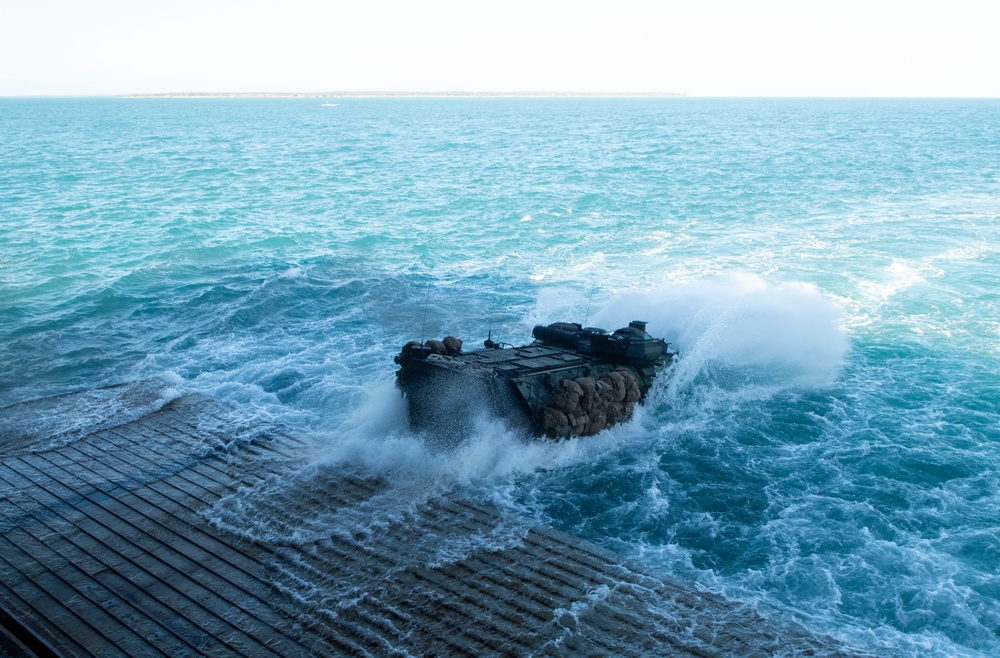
x=571, y=381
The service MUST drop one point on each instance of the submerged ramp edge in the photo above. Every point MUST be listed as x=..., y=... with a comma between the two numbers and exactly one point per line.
x=187, y=531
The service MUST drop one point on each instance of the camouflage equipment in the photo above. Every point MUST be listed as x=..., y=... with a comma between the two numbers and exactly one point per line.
x=570, y=381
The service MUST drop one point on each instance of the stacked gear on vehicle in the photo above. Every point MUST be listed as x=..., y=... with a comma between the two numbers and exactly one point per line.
x=585, y=406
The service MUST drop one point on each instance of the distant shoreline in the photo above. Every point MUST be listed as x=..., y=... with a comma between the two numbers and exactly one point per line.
x=411, y=94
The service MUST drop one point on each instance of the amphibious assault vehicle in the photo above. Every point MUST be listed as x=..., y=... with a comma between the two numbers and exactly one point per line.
x=570, y=381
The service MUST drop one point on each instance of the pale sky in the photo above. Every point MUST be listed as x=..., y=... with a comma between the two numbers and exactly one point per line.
x=709, y=48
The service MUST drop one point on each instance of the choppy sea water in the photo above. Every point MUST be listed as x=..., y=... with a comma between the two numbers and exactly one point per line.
x=828, y=444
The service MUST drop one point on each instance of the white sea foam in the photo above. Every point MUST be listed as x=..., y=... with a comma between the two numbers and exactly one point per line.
x=899, y=276
x=377, y=438
x=787, y=334
x=55, y=421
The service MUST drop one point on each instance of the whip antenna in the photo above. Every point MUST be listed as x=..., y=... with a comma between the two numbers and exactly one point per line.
x=493, y=305
x=505, y=299
x=586, y=316
x=423, y=322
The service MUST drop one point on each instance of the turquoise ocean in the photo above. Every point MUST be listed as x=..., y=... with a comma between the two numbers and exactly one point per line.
x=827, y=447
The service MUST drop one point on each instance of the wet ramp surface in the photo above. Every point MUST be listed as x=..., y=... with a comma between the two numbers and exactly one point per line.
x=187, y=532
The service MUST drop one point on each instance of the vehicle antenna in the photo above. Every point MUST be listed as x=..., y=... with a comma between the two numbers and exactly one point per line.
x=505, y=299
x=493, y=305
x=586, y=316
x=427, y=301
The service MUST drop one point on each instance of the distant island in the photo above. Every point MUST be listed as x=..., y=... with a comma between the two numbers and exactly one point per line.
x=412, y=94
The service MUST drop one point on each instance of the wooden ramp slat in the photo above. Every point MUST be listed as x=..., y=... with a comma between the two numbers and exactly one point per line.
x=188, y=531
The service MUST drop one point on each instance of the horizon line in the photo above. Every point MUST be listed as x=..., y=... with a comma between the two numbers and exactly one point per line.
x=462, y=94
x=394, y=94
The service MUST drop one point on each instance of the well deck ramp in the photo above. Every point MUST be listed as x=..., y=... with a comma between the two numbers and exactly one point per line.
x=185, y=532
